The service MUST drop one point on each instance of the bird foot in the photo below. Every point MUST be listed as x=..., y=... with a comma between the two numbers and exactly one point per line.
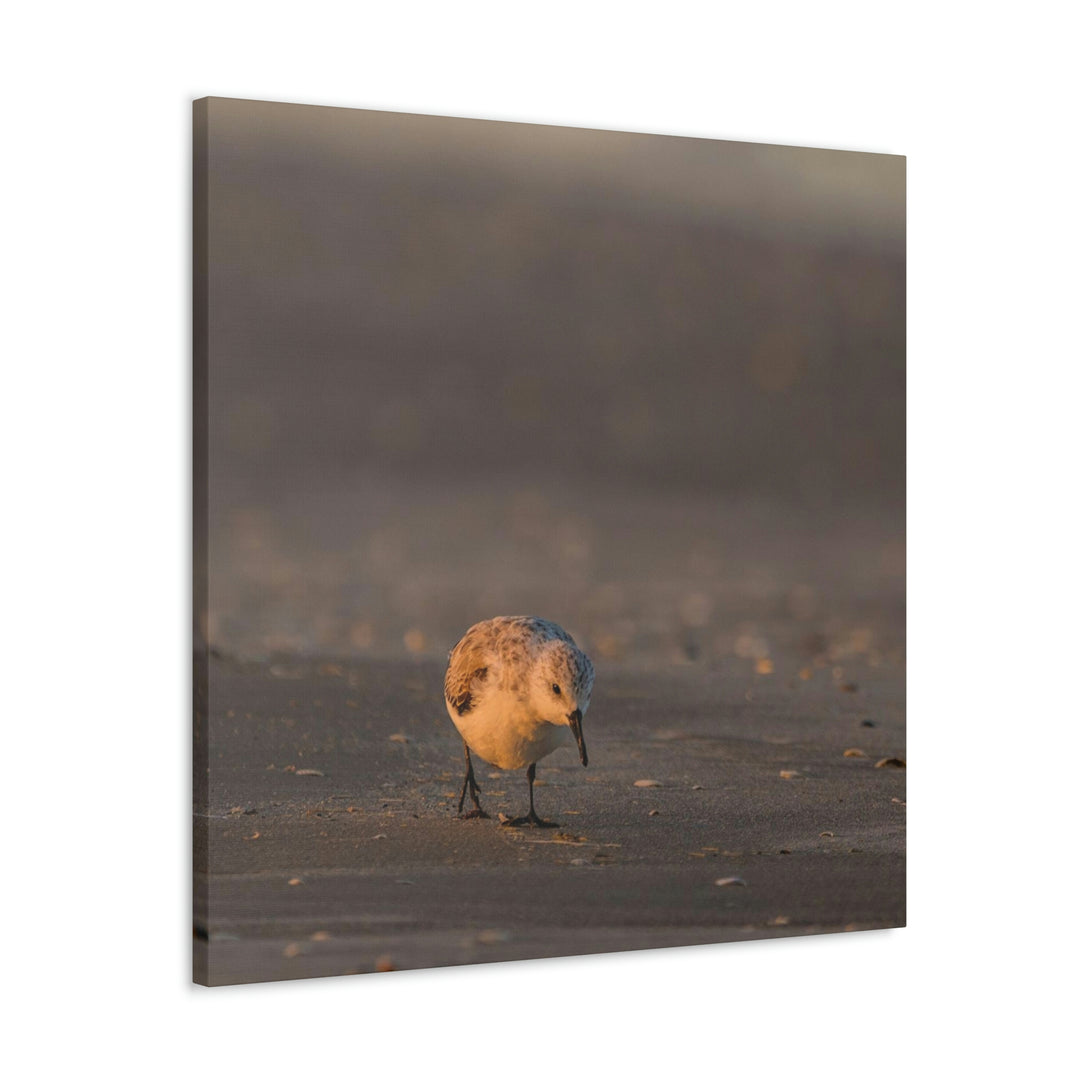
x=477, y=813
x=530, y=820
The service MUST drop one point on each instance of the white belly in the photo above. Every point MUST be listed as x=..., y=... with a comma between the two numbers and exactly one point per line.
x=504, y=734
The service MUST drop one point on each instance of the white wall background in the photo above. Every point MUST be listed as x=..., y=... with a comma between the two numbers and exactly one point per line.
x=95, y=448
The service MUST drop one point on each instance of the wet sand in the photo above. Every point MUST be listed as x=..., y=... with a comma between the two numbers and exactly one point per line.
x=329, y=844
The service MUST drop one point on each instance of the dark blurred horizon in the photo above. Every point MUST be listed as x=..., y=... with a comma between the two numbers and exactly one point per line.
x=423, y=285
x=657, y=352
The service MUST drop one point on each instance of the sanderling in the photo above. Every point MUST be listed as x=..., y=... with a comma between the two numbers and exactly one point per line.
x=516, y=688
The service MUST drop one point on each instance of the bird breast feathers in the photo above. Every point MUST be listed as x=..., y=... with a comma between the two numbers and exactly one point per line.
x=503, y=730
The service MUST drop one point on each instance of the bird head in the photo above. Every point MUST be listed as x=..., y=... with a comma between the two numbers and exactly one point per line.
x=562, y=687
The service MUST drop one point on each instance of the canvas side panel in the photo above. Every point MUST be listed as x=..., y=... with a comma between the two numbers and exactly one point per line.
x=200, y=759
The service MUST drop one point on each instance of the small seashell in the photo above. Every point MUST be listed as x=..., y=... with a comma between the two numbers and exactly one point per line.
x=790, y=774
x=399, y=737
x=890, y=763
x=295, y=881
x=309, y=772
x=723, y=882
x=667, y=735
x=854, y=751
x=647, y=783
x=654, y=813
x=282, y=671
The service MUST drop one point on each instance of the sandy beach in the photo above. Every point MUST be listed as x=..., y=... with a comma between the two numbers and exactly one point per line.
x=334, y=845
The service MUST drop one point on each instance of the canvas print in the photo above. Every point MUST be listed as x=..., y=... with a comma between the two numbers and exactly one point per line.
x=549, y=541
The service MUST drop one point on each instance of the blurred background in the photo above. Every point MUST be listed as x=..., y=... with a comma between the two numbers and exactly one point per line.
x=650, y=387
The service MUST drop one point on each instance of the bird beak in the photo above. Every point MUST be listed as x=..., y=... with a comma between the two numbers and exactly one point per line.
x=575, y=727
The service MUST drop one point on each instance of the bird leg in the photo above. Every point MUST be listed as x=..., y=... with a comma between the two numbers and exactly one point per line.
x=472, y=788
x=531, y=818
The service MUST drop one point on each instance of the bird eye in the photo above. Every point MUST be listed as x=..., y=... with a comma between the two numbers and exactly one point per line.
x=555, y=687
